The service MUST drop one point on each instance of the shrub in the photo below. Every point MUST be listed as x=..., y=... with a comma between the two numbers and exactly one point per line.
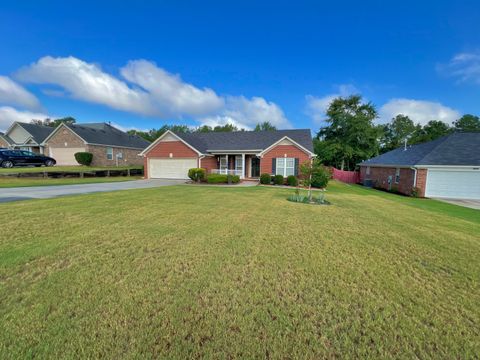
x=320, y=177
x=197, y=174
x=278, y=180
x=233, y=179
x=265, y=179
x=292, y=180
x=216, y=179
x=84, y=158
x=415, y=192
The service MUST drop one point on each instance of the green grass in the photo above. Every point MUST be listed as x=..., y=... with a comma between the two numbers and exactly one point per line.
x=218, y=272
x=28, y=169
x=26, y=182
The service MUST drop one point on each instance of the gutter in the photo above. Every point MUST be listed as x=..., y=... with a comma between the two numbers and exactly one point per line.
x=414, y=176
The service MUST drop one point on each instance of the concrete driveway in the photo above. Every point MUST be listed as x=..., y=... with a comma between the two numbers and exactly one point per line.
x=45, y=192
x=472, y=204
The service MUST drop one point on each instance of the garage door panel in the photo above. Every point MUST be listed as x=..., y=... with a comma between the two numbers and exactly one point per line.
x=170, y=168
x=459, y=184
x=65, y=156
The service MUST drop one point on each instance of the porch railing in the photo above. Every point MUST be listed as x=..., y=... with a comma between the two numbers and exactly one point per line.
x=227, y=172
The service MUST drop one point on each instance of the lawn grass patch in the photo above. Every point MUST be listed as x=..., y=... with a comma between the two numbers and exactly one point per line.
x=27, y=182
x=228, y=272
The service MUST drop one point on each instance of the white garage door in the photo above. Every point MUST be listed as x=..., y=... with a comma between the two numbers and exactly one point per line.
x=65, y=156
x=170, y=168
x=457, y=184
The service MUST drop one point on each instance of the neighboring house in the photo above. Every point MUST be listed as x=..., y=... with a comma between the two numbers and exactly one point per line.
x=244, y=153
x=25, y=136
x=109, y=145
x=448, y=167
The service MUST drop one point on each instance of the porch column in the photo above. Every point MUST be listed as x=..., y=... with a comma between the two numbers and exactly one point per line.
x=227, y=165
x=243, y=167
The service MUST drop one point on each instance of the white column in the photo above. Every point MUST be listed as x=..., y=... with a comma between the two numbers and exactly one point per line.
x=227, y=165
x=243, y=166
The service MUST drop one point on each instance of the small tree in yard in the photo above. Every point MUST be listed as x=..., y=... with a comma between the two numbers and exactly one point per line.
x=313, y=173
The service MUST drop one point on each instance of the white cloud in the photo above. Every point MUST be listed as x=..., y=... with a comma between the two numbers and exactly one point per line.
x=168, y=92
x=146, y=89
x=12, y=93
x=8, y=115
x=420, y=111
x=464, y=66
x=86, y=82
x=318, y=106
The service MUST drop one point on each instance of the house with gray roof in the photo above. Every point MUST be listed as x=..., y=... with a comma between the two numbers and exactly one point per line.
x=110, y=146
x=25, y=136
x=448, y=167
x=244, y=153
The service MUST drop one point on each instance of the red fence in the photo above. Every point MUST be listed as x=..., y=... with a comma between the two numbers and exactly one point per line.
x=351, y=177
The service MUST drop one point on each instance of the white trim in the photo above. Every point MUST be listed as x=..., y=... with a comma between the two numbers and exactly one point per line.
x=147, y=149
x=233, y=151
x=293, y=142
x=115, y=146
x=285, y=167
x=60, y=126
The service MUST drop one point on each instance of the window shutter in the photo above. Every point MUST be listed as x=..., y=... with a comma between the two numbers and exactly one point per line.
x=274, y=166
x=297, y=161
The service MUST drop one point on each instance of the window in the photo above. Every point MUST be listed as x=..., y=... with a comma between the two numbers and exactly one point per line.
x=109, y=153
x=223, y=164
x=367, y=172
x=397, y=175
x=285, y=166
x=239, y=164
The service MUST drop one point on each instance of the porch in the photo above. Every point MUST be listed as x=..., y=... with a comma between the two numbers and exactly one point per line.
x=245, y=165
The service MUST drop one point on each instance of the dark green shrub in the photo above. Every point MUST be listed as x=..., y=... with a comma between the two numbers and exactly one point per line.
x=320, y=177
x=217, y=179
x=233, y=179
x=292, y=180
x=197, y=174
x=84, y=158
x=265, y=179
x=278, y=180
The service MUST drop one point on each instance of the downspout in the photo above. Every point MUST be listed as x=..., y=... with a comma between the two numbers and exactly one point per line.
x=414, y=176
x=200, y=160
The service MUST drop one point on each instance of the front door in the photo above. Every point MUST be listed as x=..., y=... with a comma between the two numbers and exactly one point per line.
x=255, y=167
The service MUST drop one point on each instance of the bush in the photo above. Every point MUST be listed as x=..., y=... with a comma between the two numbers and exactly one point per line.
x=233, y=179
x=197, y=174
x=278, y=180
x=415, y=192
x=216, y=179
x=265, y=179
x=320, y=177
x=292, y=180
x=84, y=158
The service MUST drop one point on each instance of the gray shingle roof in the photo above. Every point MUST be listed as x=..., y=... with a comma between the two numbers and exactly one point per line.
x=460, y=149
x=245, y=140
x=105, y=134
x=7, y=138
x=38, y=132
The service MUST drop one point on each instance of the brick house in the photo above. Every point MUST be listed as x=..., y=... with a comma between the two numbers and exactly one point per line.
x=109, y=145
x=448, y=167
x=25, y=136
x=244, y=153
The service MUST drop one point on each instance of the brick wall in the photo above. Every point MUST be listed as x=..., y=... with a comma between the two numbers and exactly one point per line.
x=130, y=156
x=3, y=143
x=379, y=177
x=177, y=148
x=208, y=163
x=291, y=151
x=421, y=181
x=62, y=137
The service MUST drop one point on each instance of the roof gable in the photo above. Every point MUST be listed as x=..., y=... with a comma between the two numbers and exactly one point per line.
x=245, y=140
x=38, y=132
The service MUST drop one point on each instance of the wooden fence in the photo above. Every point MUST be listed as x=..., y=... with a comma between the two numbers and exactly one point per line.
x=351, y=177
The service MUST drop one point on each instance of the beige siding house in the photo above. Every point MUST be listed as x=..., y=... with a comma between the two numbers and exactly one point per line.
x=25, y=136
x=109, y=145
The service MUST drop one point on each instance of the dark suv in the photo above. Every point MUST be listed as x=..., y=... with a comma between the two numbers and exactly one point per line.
x=11, y=158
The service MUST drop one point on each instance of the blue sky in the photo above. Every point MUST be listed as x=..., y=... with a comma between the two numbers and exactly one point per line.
x=142, y=64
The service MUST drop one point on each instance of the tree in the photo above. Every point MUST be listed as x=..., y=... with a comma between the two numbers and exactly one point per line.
x=397, y=131
x=154, y=134
x=434, y=129
x=54, y=123
x=228, y=127
x=468, y=123
x=350, y=136
x=265, y=126
x=313, y=173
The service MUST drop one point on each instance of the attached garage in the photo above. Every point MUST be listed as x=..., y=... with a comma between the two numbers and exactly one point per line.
x=453, y=183
x=65, y=155
x=170, y=168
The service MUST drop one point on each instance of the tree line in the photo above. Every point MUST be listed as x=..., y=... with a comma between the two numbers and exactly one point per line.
x=351, y=135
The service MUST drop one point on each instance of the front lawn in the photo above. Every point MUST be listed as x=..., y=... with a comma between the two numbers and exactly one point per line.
x=75, y=169
x=219, y=272
x=7, y=182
